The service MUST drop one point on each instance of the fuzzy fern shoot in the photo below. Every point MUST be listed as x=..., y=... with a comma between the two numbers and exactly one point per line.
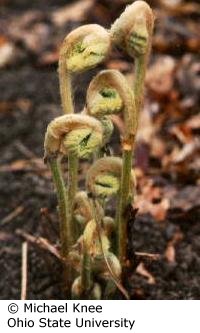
x=93, y=243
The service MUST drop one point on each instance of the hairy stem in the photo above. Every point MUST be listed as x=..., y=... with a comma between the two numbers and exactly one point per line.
x=140, y=70
x=86, y=281
x=65, y=85
x=62, y=205
x=115, y=279
x=124, y=199
x=67, y=105
x=71, y=191
x=65, y=231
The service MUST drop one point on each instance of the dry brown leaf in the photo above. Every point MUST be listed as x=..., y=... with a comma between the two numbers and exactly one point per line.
x=48, y=58
x=188, y=151
x=158, y=210
x=180, y=8
x=72, y=12
x=21, y=165
x=151, y=199
x=5, y=236
x=193, y=122
x=144, y=272
x=22, y=104
x=7, y=51
x=182, y=133
x=185, y=198
x=41, y=242
x=170, y=253
x=160, y=76
x=120, y=65
x=146, y=128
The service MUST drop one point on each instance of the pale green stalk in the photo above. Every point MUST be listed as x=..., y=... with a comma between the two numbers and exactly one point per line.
x=138, y=88
x=65, y=83
x=86, y=278
x=65, y=231
x=124, y=200
x=67, y=105
x=71, y=191
x=114, y=279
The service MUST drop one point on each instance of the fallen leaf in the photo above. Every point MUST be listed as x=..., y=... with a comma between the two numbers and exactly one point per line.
x=188, y=151
x=150, y=199
x=160, y=76
x=73, y=12
x=5, y=236
x=119, y=65
x=170, y=252
x=7, y=51
x=20, y=165
x=144, y=272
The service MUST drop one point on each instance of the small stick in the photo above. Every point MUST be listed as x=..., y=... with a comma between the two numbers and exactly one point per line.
x=11, y=216
x=152, y=256
x=24, y=150
x=41, y=242
x=24, y=270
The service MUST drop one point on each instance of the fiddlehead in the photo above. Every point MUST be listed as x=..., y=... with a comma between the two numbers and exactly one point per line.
x=76, y=134
x=82, y=208
x=103, y=177
x=59, y=141
x=78, y=293
x=84, y=285
x=86, y=47
x=82, y=49
x=100, y=266
x=132, y=31
x=103, y=263
x=92, y=242
x=109, y=93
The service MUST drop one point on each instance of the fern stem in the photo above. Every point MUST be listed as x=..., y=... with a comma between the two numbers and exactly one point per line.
x=65, y=231
x=124, y=199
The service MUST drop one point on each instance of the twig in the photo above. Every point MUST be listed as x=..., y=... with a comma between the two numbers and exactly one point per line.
x=152, y=256
x=41, y=242
x=16, y=212
x=24, y=150
x=24, y=270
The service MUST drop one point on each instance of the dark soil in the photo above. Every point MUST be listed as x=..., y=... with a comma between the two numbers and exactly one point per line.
x=29, y=100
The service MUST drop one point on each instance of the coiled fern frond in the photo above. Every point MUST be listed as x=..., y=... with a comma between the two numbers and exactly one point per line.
x=103, y=177
x=85, y=47
x=74, y=133
x=132, y=31
x=109, y=93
